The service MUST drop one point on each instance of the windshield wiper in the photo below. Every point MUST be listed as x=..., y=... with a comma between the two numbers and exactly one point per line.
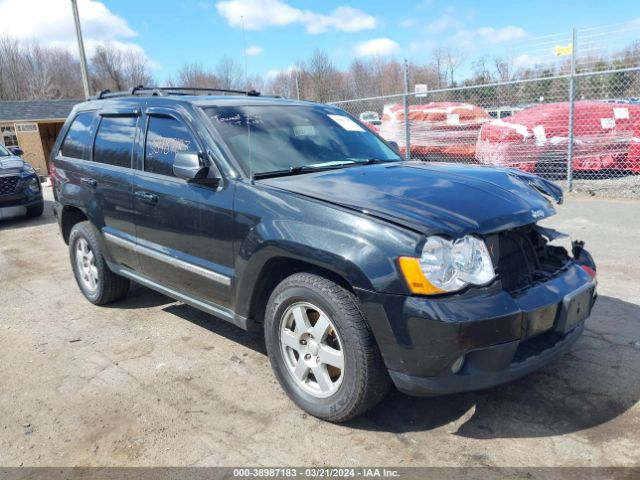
x=302, y=169
x=373, y=161
x=316, y=167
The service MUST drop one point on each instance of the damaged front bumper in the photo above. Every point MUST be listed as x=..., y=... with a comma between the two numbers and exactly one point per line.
x=435, y=346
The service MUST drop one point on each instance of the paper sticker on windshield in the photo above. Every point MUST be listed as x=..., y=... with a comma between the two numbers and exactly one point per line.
x=304, y=130
x=346, y=123
x=621, y=113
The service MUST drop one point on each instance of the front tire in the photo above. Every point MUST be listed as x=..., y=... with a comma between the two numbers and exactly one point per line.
x=36, y=210
x=322, y=350
x=97, y=282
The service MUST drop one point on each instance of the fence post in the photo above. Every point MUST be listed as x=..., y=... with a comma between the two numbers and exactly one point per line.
x=407, y=133
x=572, y=95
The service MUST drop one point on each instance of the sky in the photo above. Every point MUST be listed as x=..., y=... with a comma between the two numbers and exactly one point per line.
x=277, y=33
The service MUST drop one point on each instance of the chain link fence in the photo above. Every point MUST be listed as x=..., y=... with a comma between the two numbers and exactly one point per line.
x=576, y=121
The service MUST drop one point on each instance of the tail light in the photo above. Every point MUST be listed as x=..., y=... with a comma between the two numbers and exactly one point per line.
x=52, y=175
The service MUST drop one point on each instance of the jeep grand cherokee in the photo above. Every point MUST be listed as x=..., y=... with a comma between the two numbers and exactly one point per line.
x=362, y=269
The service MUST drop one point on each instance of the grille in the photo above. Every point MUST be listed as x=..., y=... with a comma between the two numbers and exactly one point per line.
x=526, y=260
x=8, y=184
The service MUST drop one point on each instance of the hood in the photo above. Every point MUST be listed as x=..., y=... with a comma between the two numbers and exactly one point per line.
x=432, y=198
x=11, y=165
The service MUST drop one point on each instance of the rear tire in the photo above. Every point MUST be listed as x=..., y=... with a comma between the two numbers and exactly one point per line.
x=322, y=350
x=97, y=282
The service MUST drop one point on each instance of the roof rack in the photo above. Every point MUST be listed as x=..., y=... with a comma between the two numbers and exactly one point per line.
x=164, y=91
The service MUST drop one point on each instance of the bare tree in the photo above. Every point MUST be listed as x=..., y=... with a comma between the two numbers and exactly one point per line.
x=136, y=68
x=195, y=75
x=439, y=59
x=116, y=69
x=321, y=80
x=454, y=58
x=504, y=68
x=230, y=73
x=481, y=69
x=107, y=68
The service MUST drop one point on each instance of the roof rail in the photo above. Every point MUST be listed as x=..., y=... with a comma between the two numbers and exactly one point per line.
x=162, y=91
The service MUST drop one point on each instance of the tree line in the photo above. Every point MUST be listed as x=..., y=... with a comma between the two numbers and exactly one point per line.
x=31, y=71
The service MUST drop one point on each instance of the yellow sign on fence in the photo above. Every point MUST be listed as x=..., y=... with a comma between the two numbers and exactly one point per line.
x=562, y=50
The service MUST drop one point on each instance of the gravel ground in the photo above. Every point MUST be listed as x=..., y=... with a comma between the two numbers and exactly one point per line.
x=150, y=381
x=620, y=187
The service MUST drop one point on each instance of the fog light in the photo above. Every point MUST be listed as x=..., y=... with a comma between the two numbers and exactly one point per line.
x=457, y=365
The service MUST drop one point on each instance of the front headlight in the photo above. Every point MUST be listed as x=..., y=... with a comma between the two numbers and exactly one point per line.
x=448, y=265
x=34, y=185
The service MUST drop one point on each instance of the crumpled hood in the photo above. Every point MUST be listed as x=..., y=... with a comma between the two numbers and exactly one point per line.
x=11, y=165
x=432, y=198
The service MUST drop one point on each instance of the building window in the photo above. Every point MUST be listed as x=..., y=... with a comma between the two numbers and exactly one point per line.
x=8, y=136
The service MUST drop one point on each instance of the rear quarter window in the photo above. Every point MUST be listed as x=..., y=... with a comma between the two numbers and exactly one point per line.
x=114, y=141
x=77, y=142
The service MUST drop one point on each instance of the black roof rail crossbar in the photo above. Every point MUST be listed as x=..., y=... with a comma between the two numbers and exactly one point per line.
x=250, y=93
x=158, y=91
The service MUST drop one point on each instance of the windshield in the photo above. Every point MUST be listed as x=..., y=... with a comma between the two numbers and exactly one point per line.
x=4, y=152
x=285, y=138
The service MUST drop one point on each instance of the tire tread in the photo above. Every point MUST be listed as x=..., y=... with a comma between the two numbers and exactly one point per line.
x=373, y=382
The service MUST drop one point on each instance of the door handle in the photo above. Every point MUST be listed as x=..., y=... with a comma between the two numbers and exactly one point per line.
x=146, y=197
x=89, y=182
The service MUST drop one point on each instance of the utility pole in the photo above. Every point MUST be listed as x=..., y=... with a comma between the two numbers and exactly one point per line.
x=83, y=57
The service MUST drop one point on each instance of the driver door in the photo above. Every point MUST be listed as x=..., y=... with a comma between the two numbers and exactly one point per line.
x=182, y=228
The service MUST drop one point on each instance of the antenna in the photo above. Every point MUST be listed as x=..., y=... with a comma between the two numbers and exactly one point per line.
x=246, y=86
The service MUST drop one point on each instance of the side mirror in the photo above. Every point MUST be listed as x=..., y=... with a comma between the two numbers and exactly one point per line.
x=16, y=151
x=188, y=166
x=393, y=144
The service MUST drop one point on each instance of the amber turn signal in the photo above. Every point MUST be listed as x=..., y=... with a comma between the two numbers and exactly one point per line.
x=417, y=282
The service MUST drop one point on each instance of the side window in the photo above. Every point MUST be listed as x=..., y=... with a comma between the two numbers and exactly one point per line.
x=77, y=143
x=165, y=137
x=114, y=141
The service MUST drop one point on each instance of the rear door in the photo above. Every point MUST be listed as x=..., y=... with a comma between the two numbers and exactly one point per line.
x=95, y=175
x=111, y=179
x=183, y=229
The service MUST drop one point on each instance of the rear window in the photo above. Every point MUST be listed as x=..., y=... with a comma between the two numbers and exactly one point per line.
x=114, y=141
x=77, y=143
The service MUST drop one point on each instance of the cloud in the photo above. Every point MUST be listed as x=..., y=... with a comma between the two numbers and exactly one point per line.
x=377, y=46
x=409, y=23
x=51, y=24
x=254, y=50
x=260, y=14
x=445, y=22
x=498, y=35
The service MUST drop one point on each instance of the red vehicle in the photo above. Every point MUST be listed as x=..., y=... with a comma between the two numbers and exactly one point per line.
x=448, y=129
x=536, y=139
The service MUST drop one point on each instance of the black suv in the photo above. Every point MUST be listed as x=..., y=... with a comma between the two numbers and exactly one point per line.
x=362, y=269
x=20, y=190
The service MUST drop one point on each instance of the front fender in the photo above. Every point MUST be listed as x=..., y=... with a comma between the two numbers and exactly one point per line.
x=364, y=257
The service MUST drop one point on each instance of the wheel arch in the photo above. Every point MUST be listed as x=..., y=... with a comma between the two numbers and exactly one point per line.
x=69, y=216
x=276, y=269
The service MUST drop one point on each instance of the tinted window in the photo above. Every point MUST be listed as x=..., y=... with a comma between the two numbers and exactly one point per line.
x=114, y=141
x=277, y=138
x=166, y=137
x=78, y=140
